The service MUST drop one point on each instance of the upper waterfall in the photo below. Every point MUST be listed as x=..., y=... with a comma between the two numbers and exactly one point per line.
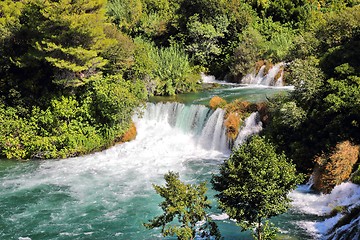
x=274, y=77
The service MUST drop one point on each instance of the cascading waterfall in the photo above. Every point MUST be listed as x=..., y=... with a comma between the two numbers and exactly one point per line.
x=263, y=79
x=252, y=126
x=109, y=194
x=213, y=135
x=212, y=79
x=345, y=194
x=205, y=125
x=209, y=79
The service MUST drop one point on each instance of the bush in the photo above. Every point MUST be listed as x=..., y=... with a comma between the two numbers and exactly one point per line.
x=232, y=124
x=336, y=210
x=355, y=178
x=69, y=126
x=166, y=71
x=130, y=134
x=335, y=167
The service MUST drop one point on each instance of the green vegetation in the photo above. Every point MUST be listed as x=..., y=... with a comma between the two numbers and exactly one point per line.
x=51, y=50
x=184, y=207
x=61, y=89
x=72, y=73
x=324, y=108
x=71, y=125
x=253, y=185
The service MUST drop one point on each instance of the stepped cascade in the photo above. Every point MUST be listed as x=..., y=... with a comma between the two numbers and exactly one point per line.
x=204, y=125
x=274, y=77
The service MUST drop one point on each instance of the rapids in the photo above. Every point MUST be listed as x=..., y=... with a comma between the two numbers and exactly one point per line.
x=109, y=194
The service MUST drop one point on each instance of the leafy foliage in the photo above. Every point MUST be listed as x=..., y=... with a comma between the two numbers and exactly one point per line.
x=254, y=182
x=184, y=206
x=167, y=71
x=70, y=126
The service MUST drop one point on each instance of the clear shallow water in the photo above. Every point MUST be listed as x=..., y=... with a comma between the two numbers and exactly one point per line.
x=109, y=195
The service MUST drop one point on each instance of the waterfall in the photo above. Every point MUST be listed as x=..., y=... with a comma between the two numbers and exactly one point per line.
x=208, y=78
x=310, y=183
x=265, y=79
x=213, y=135
x=345, y=194
x=252, y=126
x=206, y=126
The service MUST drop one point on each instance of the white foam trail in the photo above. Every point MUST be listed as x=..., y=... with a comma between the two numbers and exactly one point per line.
x=219, y=217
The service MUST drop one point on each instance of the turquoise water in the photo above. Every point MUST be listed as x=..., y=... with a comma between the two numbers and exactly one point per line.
x=228, y=92
x=109, y=195
x=70, y=200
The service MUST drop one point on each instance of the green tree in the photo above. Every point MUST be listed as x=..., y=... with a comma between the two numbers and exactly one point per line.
x=48, y=45
x=249, y=50
x=253, y=184
x=204, y=39
x=125, y=13
x=184, y=206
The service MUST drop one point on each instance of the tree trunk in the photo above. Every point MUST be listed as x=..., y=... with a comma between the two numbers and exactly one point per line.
x=259, y=229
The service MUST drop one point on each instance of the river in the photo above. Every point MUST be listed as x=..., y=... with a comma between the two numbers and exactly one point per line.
x=109, y=194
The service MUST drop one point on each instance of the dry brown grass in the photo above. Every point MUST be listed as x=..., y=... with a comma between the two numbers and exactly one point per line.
x=336, y=167
x=217, y=102
x=130, y=134
x=232, y=124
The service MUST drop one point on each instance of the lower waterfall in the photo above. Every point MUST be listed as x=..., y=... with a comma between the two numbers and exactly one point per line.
x=109, y=194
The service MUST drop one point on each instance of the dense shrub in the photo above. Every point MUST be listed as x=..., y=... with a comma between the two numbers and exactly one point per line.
x=70, y=126
x=232, y=124
x=165, y=71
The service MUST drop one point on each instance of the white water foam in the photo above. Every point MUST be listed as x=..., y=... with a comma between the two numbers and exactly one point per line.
x=211, y=79
x=346, y=194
